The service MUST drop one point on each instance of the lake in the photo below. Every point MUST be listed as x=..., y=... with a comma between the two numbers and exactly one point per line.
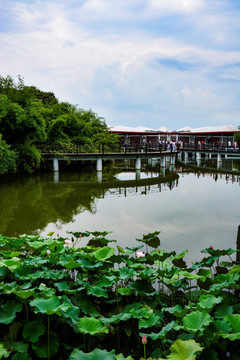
x=191, y=208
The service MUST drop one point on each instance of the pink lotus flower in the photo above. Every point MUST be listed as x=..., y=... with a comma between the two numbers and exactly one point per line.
x=140, y=254
x=144, y=340
x=211, y=247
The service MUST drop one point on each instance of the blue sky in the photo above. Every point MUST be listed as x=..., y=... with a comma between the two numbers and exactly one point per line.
x=150, y=63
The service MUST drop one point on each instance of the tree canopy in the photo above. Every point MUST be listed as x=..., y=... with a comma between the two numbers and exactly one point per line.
x=29, y=116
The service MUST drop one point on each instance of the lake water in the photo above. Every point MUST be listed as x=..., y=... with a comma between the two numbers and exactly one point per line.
x=193, y=210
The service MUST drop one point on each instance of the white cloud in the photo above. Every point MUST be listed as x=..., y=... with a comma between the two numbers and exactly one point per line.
x=112, y=58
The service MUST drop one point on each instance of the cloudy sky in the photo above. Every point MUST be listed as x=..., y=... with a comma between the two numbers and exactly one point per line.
x=150, y=63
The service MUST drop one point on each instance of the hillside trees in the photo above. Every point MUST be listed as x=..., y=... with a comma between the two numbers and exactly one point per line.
x=29, y=116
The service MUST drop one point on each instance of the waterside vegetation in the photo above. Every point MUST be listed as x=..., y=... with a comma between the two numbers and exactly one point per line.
x=61, y=300
x=29, y=116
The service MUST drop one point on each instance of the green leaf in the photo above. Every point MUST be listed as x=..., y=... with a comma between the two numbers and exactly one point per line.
x=154, y=320
x=32, y=330
x=103, y=253
x=162, y=333
x=177, y=311
x=196, y=321
x=23, y=294
x=209, y=301
x=90, y=325
x=235, y=269
x=124, y=291
x=3, y=352
x=21, y=356
x=8, y=311
x=234, y=320
x=41, y=348
x=96, y=291
x=48, y=306
x=96, y=354
x=184, y=350
x=223, y=310
x=11, y=264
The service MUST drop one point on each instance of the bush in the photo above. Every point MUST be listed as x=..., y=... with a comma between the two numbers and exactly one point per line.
x=7, y=158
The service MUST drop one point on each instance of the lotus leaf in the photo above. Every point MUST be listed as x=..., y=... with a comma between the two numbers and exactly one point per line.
x=3, y=352
x=32, y=330
x=209, y=301
x=234, y=320
x=222, y=310
x=49, y=306
x=103, y=253
x=8, y=311
x=184, y=350
x=125, y=273
x=235, y=269
x=97, y=291
x=21, y=356
x=92, y=326
x=41, y=348
x=153, y=320
x=162, y=333
x=11, y=264
x=177, y=311
x=196, y=321
x=124, y=291
x=96, y=354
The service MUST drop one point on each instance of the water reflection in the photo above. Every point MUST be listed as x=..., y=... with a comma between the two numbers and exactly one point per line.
x=192, y=208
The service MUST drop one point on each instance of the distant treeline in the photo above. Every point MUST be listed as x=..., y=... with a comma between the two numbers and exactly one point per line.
x=29, y=116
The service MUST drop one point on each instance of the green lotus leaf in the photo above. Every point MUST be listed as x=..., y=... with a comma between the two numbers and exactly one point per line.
x=125, y=273
x=41, y=348
x=103, y=253
x=153, y=320
x=177, y=311
x=180, y=256
x=23, y=294
x=48, y=306
x=189, y=275
x=121, y=357
x=234, y=320
x=72, y=312
x=21, y=356
x=97, y=291
x=184, y=350
x=106, y=281
x=209, y=301
x=235, y=269
x=11, y=264
x=196, y=321
x=223, y=310
x=8, y=311
x=90, y=325
x=209, y=354
x=96, y=354
x=85, y=304
x=162, y=333
x=36, y=244
x=124, y=291
x=32, y=330
x=3, y=271
x=3, y=352
x=221, y=326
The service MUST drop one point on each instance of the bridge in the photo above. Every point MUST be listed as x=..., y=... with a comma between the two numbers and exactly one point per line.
x=98, y=153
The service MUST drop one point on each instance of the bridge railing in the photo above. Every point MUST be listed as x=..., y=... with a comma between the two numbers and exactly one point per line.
x=70, y=148
x=210, y=147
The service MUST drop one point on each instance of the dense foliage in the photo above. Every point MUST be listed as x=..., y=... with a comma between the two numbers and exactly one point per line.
x=29, y=116
x=62, y=301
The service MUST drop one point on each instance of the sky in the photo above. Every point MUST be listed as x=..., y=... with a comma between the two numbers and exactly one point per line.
x=151, y=63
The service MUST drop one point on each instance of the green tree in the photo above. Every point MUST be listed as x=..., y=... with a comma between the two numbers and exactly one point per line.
x=7, y=158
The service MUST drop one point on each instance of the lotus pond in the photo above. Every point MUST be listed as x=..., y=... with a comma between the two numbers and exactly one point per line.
x=61, y=301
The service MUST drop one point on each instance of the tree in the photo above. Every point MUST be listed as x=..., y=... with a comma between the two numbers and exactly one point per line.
x=7, y=157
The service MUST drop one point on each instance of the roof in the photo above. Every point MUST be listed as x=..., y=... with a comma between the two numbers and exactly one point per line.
x=205, y=129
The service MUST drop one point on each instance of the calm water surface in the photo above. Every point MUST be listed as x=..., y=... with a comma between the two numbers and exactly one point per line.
x=193, y=211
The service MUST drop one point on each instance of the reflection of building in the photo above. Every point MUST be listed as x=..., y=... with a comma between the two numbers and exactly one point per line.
x=208, y=134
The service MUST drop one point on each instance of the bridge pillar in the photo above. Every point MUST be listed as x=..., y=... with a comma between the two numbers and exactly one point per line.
x=172, y=160
x=138, y=175
x=56, y=177
x=138, y=163
x=163, y=162
x=198, y=156
x=185, y=157
x=99, y=164
x=179, y=156
x=99, y=177
x=219, y=158
x=55, y=164
x=210, y=155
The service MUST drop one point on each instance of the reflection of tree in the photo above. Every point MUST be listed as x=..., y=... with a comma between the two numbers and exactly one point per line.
x=30, y=203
